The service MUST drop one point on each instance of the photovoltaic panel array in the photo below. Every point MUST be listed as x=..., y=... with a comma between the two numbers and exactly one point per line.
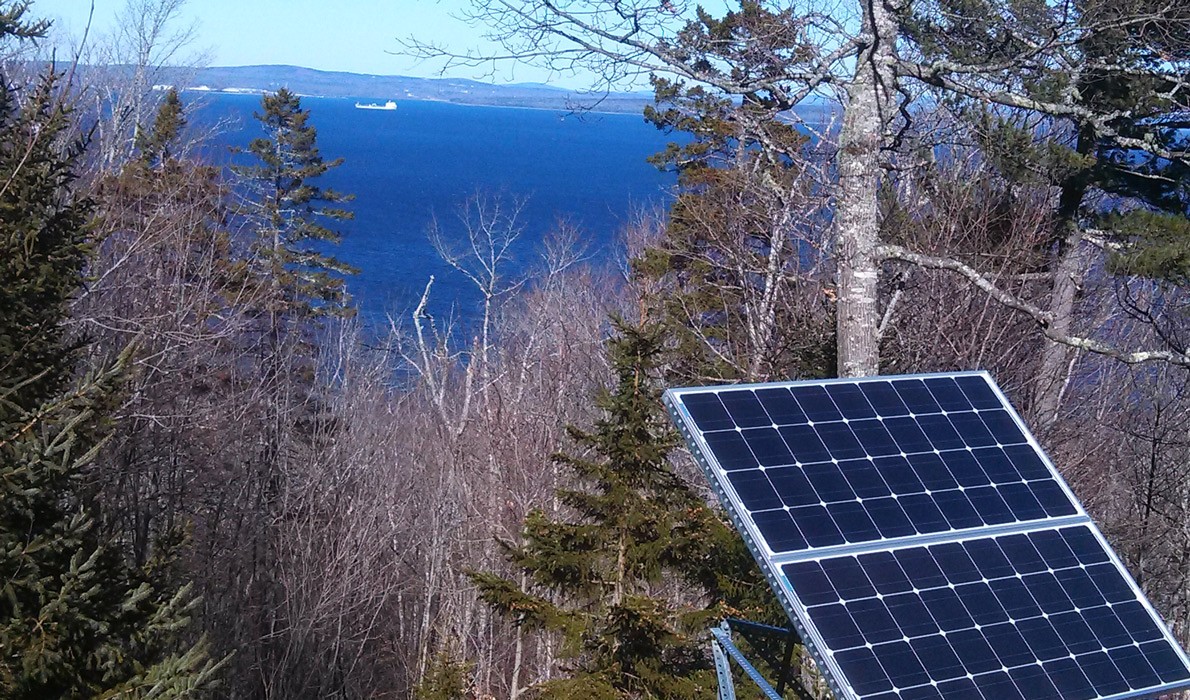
x=922, y=543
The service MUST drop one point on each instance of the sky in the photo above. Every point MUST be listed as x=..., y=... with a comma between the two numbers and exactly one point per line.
x=358, y=36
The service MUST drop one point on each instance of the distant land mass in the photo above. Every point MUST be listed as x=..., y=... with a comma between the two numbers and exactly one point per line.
x=318, y=83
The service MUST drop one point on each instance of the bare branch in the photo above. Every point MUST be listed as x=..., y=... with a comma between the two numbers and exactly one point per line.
x=1044, y=319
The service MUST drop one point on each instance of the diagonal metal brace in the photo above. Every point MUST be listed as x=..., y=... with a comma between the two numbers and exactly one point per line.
x=722, y=639
x=722, y=644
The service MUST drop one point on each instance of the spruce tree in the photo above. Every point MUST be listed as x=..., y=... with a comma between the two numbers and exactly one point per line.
x=155, y=144
x=292, y=212
x=734, y=251
x=599, y=570
x=299, y=286
x=76, y=619
x=15, y=22
x=731, y=238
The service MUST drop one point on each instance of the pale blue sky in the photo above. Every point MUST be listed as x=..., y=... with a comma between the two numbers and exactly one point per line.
x=347, y=35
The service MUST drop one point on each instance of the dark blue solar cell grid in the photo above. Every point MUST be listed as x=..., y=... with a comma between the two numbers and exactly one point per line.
x=1032, y=616
x=828, y=464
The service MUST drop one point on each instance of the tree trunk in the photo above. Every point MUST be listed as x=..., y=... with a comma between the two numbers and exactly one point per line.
x=857, y=222
x=1069, y=269
x=1057, y=360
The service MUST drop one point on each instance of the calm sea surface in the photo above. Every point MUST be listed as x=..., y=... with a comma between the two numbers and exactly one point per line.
x=426, y=158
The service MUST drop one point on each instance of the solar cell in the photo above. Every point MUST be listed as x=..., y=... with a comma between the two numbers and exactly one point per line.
x=972, y=607
x=923, y=544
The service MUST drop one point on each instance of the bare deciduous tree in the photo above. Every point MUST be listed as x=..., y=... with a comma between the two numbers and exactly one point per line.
x=149, y=49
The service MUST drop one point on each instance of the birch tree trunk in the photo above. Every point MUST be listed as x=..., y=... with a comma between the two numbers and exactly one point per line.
x=857, y=223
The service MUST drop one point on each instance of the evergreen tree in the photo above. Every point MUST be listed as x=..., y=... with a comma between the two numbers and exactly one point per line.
x=735, y=269
x=597, y=574
x=76, y=619
x=299, y=286
x=734, y=280
x=16, y=24
x=445, y=679
x=1120, y=161
x=43, y=249
x=291, y=209
x=155, y=144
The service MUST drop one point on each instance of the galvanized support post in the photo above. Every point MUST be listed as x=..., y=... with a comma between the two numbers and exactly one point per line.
x=725, y=651
x=723, y=667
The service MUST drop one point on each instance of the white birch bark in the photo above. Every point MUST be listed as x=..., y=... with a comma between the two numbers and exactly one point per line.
x=857, y=222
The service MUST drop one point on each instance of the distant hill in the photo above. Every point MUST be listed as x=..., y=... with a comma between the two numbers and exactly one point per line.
x=371, y=88
x=307, y=81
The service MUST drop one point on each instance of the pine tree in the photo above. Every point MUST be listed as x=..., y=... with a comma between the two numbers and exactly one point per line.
x=597, y=573
x=290, y=210
x=76, y=619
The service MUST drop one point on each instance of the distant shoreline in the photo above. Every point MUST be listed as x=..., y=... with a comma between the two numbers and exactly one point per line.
x=315, y=83
x=244, y=92
x=308, y=82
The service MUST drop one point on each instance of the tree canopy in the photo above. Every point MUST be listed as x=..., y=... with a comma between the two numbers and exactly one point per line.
x=598, y=574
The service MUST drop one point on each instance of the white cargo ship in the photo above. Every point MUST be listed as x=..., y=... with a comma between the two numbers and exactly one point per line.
x=387, y=106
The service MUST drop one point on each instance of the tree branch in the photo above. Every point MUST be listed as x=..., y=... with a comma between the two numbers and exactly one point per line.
x=1044, y=319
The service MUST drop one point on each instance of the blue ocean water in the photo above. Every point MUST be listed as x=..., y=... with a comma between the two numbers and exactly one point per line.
x=426, y=158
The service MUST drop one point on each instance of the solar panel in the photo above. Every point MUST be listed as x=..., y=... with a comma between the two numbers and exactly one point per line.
x=922, y=543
